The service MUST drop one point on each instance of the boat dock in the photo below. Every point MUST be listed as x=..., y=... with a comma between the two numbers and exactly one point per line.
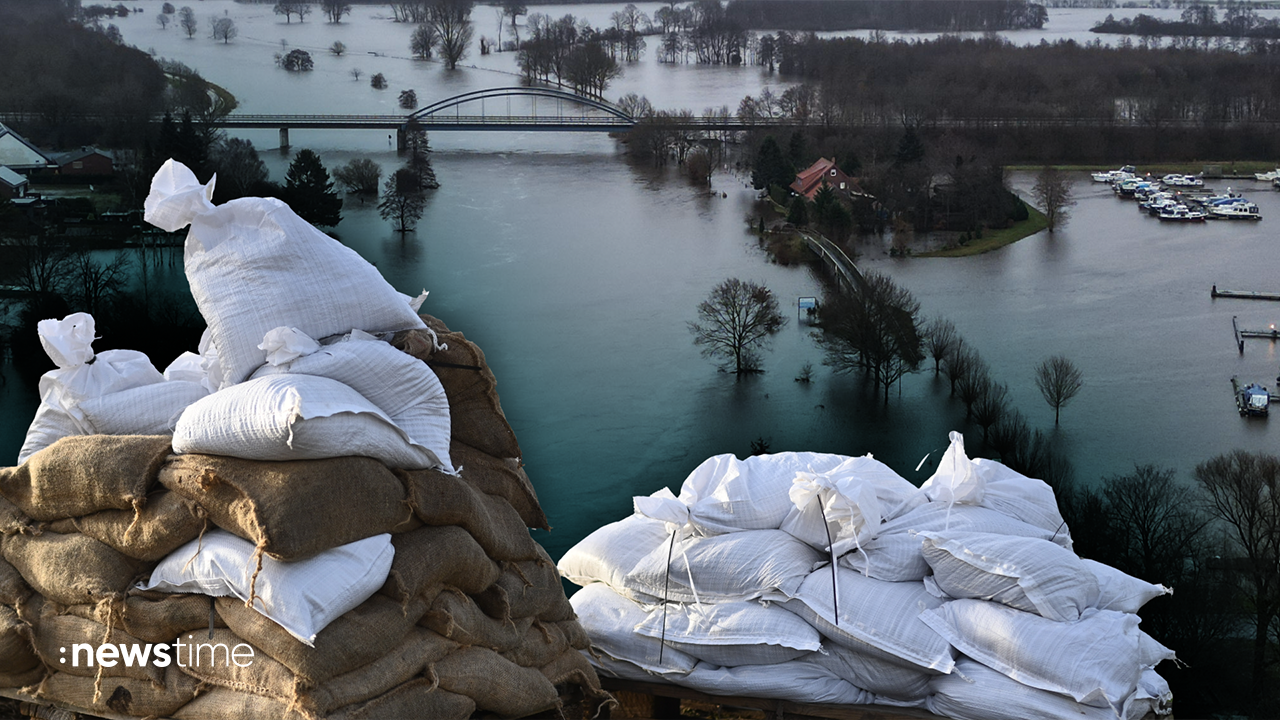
x=1243, y=294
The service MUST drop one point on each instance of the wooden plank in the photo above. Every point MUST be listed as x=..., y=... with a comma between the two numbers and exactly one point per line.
x=779, y=708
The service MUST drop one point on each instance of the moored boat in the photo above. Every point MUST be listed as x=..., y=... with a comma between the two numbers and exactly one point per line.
x=1234, y=211
x=1110, y=176
x=1182, y=213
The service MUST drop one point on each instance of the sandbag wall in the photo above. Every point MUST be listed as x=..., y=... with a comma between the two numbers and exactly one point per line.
x=472, y=617
x=961, y=597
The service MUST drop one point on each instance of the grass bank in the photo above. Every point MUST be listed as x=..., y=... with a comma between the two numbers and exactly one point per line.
x=995, y=239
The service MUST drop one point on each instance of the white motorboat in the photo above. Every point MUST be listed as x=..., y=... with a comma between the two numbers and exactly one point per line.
x=1268, y=176
x=1234, y=211
x=1110, y=176
x=1182, y=213
x=1176, y=180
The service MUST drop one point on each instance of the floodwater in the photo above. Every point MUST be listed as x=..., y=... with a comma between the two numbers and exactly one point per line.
x=577, y=271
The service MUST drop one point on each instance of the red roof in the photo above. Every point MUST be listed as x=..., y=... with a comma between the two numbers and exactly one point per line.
x=809, y=181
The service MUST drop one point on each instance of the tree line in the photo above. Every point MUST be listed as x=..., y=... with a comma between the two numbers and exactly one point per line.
x=914, y=15
x=1198, y=21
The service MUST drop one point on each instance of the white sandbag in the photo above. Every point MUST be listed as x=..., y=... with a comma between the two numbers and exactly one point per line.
x=725, y=494
x=610, y=620
x=81, y=375
x=295, y=417
x=878, y=618
x=186, y=367
x=254, y=265
x=955, y=480
x=732, y=634
x=895, y=553
x=1120, y=591
x=1029, y=574
x=146, y=410
x=976, y=692
x=302, y=597
x=1022, y=498
x=611, y=552
x=399, y=384
x=800, y=681
x=1097, y=660
x=746, y=565
x=842, y=508
x=1152, y=696
x=893, y=681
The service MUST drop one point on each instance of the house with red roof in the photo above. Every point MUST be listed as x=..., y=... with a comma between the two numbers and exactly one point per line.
x=808, y=182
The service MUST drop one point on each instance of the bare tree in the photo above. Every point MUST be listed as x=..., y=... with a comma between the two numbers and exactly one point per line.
x=423, y=41
x=289, y=8
x=335, y=9
x=1059, y=380
x=990, y=407
x=402, y=200
x=733, y=322
x=1243, y=491
x=939, y=337
x=874, y=329
x=187, y=21
x=337, y=48
x=515, y=9
x=224, y=29
x=1052, y=192
x=356, y=73
x=93, y=283
x=451, y=20
x=163, y=21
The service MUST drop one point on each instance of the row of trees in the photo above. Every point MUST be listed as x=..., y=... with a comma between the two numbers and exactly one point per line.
x=1240, y=20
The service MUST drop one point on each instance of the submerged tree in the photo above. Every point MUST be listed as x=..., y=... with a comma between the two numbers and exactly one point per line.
x=735, y=321
x=874, y=329
x=1059, y=380
x=360, y=176
x=1243, y=491
x=402, y=200
x=1052, y=192
x=451, y=20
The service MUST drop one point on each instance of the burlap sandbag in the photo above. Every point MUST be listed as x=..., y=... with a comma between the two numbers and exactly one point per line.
x=226, y=704
x=83, y=474
x=542, y=643
x=27, y=680
x=572, y=667
x=293, y=509
x=17, y=656
x=440, y=499
x=122, y=696
x=414, y=699
x=574, y=634
x=455, y=615
x=475, y=415
x=167, y=521
x=152, y=616
x=354, y=640
x=420, y=649
x=12, y=519
x=13, y=589
x=527, y=589
x=72, y=569
x=495, y=683
x=504, y=477
x=434, y=556
x=54, y=638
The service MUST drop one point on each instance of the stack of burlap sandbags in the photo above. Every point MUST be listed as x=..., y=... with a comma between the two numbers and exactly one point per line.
x=819, y=578
x=472, y=616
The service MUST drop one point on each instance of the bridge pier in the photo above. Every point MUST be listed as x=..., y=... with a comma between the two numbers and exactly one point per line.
x=401, y=139
x=284, y=138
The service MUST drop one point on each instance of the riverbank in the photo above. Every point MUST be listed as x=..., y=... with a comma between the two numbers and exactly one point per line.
x=994, y=239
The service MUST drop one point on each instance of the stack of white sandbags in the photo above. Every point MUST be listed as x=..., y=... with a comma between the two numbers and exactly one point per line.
x=291, y=490
x=828, y=579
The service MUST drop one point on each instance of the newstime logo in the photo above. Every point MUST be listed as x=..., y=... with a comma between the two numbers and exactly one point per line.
x=185, y=654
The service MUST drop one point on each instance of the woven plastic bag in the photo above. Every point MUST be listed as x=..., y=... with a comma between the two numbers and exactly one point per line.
x=81, y=375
